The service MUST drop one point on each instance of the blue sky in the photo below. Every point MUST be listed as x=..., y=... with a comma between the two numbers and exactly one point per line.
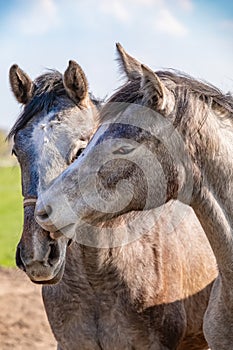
x=190, y=35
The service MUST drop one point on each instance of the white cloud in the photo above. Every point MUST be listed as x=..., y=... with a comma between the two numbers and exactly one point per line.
x=129, y=10
x=42, y=16
x=167, y=23
x=116, y=8
x=124, y=10
x=227, y=24
x=187, y=5
x=146, y=2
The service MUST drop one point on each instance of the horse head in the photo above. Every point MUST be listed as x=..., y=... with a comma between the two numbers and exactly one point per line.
x=54, y=127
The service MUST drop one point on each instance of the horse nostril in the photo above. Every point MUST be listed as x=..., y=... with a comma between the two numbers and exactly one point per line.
x=54, y=253
x=18, y=259
x=43, y=213
x=70, y=242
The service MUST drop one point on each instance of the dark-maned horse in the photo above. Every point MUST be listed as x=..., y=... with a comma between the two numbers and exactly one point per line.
x=179, y=133
x=56, y=123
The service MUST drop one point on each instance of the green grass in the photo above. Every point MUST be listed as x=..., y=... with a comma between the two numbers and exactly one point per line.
x=11, y=214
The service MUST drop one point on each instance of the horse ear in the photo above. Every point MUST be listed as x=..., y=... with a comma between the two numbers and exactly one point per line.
x=129, y=65
x=21, y=84
x=75, y=83
x=152, y=87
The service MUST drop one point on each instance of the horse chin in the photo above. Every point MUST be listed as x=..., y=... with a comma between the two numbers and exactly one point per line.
x=54, y=280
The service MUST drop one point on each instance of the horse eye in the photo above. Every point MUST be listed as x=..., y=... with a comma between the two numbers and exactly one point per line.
x=123, y=150
x=77, y=154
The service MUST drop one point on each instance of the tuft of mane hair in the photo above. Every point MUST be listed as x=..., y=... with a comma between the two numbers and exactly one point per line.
x=180, y=84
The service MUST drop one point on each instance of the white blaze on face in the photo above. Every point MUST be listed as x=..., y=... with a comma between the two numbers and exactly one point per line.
x=43, y=138
x=42, y=131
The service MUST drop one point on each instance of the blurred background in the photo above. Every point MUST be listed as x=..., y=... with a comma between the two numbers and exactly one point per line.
x=193, y=36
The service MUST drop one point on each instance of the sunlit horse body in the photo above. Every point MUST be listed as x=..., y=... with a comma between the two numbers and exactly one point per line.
x=192, y=137
x=145, y=295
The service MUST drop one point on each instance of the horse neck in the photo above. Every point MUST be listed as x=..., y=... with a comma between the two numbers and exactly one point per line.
x=130, y=268
x=213, y=202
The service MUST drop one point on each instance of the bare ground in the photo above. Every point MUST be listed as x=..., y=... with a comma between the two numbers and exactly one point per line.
x=23, y=322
